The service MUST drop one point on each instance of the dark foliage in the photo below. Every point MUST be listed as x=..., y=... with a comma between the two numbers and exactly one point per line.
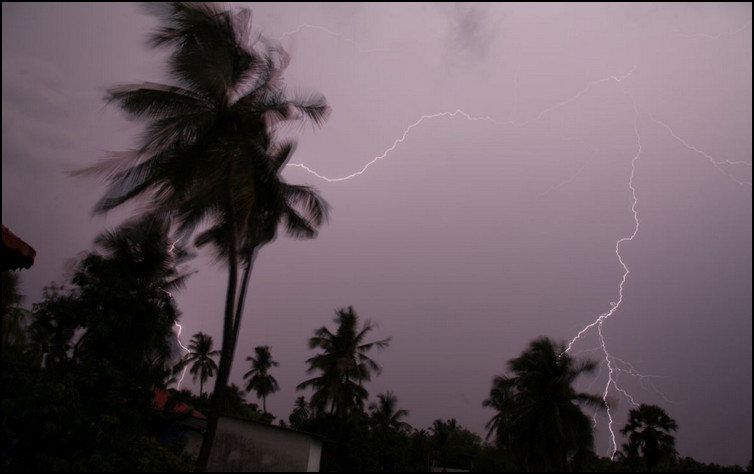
x=78, y=397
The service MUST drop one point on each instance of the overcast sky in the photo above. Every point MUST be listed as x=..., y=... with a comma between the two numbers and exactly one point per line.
x=499, y=155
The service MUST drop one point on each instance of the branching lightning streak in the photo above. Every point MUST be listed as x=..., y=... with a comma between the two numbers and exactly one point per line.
x=180, y=328
x=630, y=370
x=614, y=306
x=397, y=142
x=614, y=365
x=178, y=338
x=578, y=95
x=469, y=117
x=612, y=369
x=716, y=163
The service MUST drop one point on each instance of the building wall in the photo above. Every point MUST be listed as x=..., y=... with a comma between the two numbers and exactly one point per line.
x=315, y=454
x=244, y=446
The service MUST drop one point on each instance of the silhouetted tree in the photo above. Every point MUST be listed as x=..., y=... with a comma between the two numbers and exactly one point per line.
x=385, y=414
x=234, y=398
x=343, y=364
x=206, y=137
x=125, y=293
x=100, y=347
x=452, y=446
x=300, y=414
x=390, y=433
x=259, y=378
x=649, y=432
x=502, y=399
x=201, y=358
x=539, y=418
x=419, y=455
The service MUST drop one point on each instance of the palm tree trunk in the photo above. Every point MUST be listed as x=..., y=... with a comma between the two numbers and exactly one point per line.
x=343, y=409
x=242, y=299
x=228, y=345
x=242, y=294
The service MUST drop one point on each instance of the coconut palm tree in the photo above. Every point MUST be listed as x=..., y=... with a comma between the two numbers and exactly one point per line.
x=503, y=400
x=343, y=364
x=543, y=421
x=142, y=247
x=390, y=432
x=234, y=399
x=133, y=271
x=649, y=431
x=299, y=209
x=300, y=413
x=201, y=358
x=121, y=308
x=259, y=378
x=206, y=136
x=386, y=416
x=452, y=446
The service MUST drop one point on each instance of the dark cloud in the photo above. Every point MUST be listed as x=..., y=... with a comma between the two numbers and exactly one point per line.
x=472, y=28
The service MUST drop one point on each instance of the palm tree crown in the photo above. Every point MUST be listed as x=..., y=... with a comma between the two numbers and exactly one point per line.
x=539, y=417
x=343, y=364
x=300, y=413
x=502, y=399
x=649, y=431
x=385, y=413
x=200, y=356
x=141, y=247
x=139, y=261
x=259, y=378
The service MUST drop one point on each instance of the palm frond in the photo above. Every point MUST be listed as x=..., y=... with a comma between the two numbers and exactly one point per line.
x=150, y=100
x=207, y=50
x=314, y=206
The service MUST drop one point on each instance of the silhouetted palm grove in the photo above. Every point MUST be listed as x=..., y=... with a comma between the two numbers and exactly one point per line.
x=82, y=367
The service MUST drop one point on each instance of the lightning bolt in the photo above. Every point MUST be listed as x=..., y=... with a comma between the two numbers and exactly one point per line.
x=614, y=306
x=397, y=142
x=579, y=94
x=467, y=116
x=178, y=338
x=614, y=365
x=643, y=378
x=180, y=328
x=716, y=163
x=613, y=370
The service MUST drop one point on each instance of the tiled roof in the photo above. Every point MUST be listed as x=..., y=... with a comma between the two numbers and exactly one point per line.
x=16, y=253
x=161, y=397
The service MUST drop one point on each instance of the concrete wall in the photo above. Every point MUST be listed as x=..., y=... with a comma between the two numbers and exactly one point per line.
x=245, y=446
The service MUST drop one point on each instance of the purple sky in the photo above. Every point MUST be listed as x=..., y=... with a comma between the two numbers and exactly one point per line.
x=475, y=232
